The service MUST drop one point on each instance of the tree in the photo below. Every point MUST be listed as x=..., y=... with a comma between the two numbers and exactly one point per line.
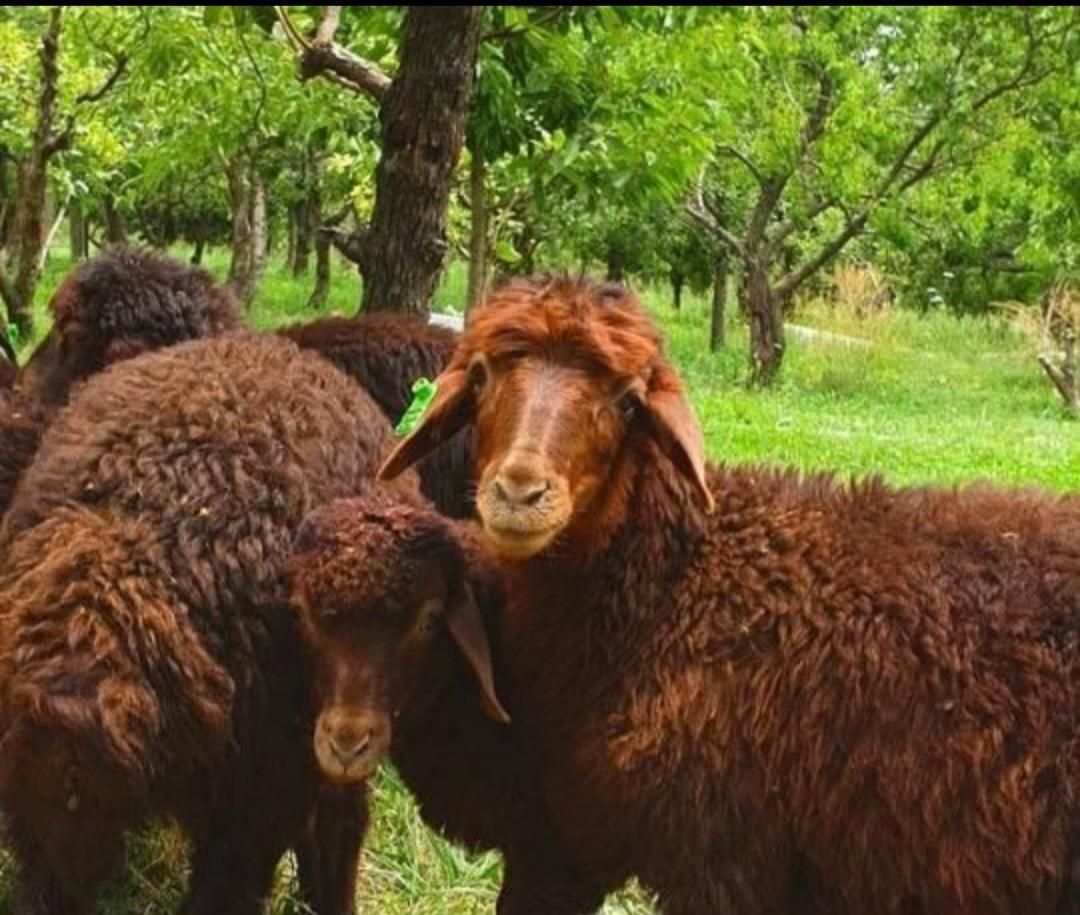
x=422, y=112
x=840, y=112
x=24, y=242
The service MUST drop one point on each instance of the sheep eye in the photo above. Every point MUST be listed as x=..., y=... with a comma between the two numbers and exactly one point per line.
x=429, y=612
x=629, y=404
x=478, y=374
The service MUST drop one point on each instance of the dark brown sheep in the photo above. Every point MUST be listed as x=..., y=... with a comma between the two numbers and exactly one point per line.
x=110, y=308
x=149, y=663
x=399, y=606
x=756, y=691
x=386, y=353
x=115, y=306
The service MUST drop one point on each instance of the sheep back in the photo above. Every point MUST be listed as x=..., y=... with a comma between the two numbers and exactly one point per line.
x=173, y=482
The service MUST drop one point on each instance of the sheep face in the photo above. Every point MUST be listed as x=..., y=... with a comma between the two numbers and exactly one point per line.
x=48, y=376
x=366, y=658
x=379, y=587
x=567, y=387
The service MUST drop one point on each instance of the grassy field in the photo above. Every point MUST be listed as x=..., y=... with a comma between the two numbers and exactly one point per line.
x=931, y=399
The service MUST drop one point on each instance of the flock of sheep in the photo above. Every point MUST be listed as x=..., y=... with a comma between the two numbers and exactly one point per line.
x=228, y=592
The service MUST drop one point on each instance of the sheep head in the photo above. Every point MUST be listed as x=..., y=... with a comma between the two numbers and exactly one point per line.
x=567, y=386
x=379, y=585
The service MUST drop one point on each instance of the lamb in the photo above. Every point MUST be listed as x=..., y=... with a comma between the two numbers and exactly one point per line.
x=386, y=353
x=149, y=664
x=109, y=308
x=758, y=691
x=398, y=608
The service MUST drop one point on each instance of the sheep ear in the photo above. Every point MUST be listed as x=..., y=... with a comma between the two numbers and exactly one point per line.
x=449, y=411
x=676, y=429
x=469, y=634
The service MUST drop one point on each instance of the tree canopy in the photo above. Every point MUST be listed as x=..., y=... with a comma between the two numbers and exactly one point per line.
x=645, y=142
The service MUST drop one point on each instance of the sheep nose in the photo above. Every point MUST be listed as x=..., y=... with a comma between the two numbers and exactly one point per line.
x=348, y=747
x=521, y=486
x=513, y=493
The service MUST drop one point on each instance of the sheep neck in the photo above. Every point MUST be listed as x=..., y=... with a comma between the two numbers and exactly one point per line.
x=605, y=587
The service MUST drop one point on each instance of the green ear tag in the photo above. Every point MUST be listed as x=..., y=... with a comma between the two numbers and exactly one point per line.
x=424, y=392
x=13, y=336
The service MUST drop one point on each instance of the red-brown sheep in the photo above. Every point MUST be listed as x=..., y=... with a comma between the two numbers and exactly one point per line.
x=386, y=353
x=399, y=607
x=757, y=691
x=149, y=662
x=110, y=308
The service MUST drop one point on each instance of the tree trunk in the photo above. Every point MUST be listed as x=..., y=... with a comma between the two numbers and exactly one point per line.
x=80, y=242
x=27, y=237
x=7, y=197
x=766, y=323
x=247, y=199
x=115, y=227
x=309, y=214
x=677, y=282
x=240, y=209
x=305, y=227
x=478, y=230
x=199, y=250
x=322, y=272
x=717, y=328
x=616, y=265
x=423, y=120
x=292, y=214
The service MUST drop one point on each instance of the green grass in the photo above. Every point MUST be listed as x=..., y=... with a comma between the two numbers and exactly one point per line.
x=933, y=399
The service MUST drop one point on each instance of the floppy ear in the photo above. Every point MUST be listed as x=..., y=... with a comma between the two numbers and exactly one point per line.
x=676, y=429
x=467, y=630
x=449, y=411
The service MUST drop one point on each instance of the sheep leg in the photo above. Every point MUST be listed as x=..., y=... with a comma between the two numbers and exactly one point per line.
x=329, y=853
x=543, y=881
x=39, y=889
x=39, y=892
x=236, y=855
x=232, y=871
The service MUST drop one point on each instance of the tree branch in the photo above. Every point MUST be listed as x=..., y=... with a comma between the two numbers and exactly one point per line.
x=785, y=229
x=353, y=245
x=324, y=57
x=119, y=69
x=702, y=213
x=793, y=280
x=327, y=30
x=60, y=140
x=725, y=149
x=772, y=189
x=552, y=14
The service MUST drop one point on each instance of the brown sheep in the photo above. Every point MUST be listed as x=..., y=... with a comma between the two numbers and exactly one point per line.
x=756, y=691
x=386, y=353
x=149, y=663
x=109, y=308
x=115, y=306
x=398, y=607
